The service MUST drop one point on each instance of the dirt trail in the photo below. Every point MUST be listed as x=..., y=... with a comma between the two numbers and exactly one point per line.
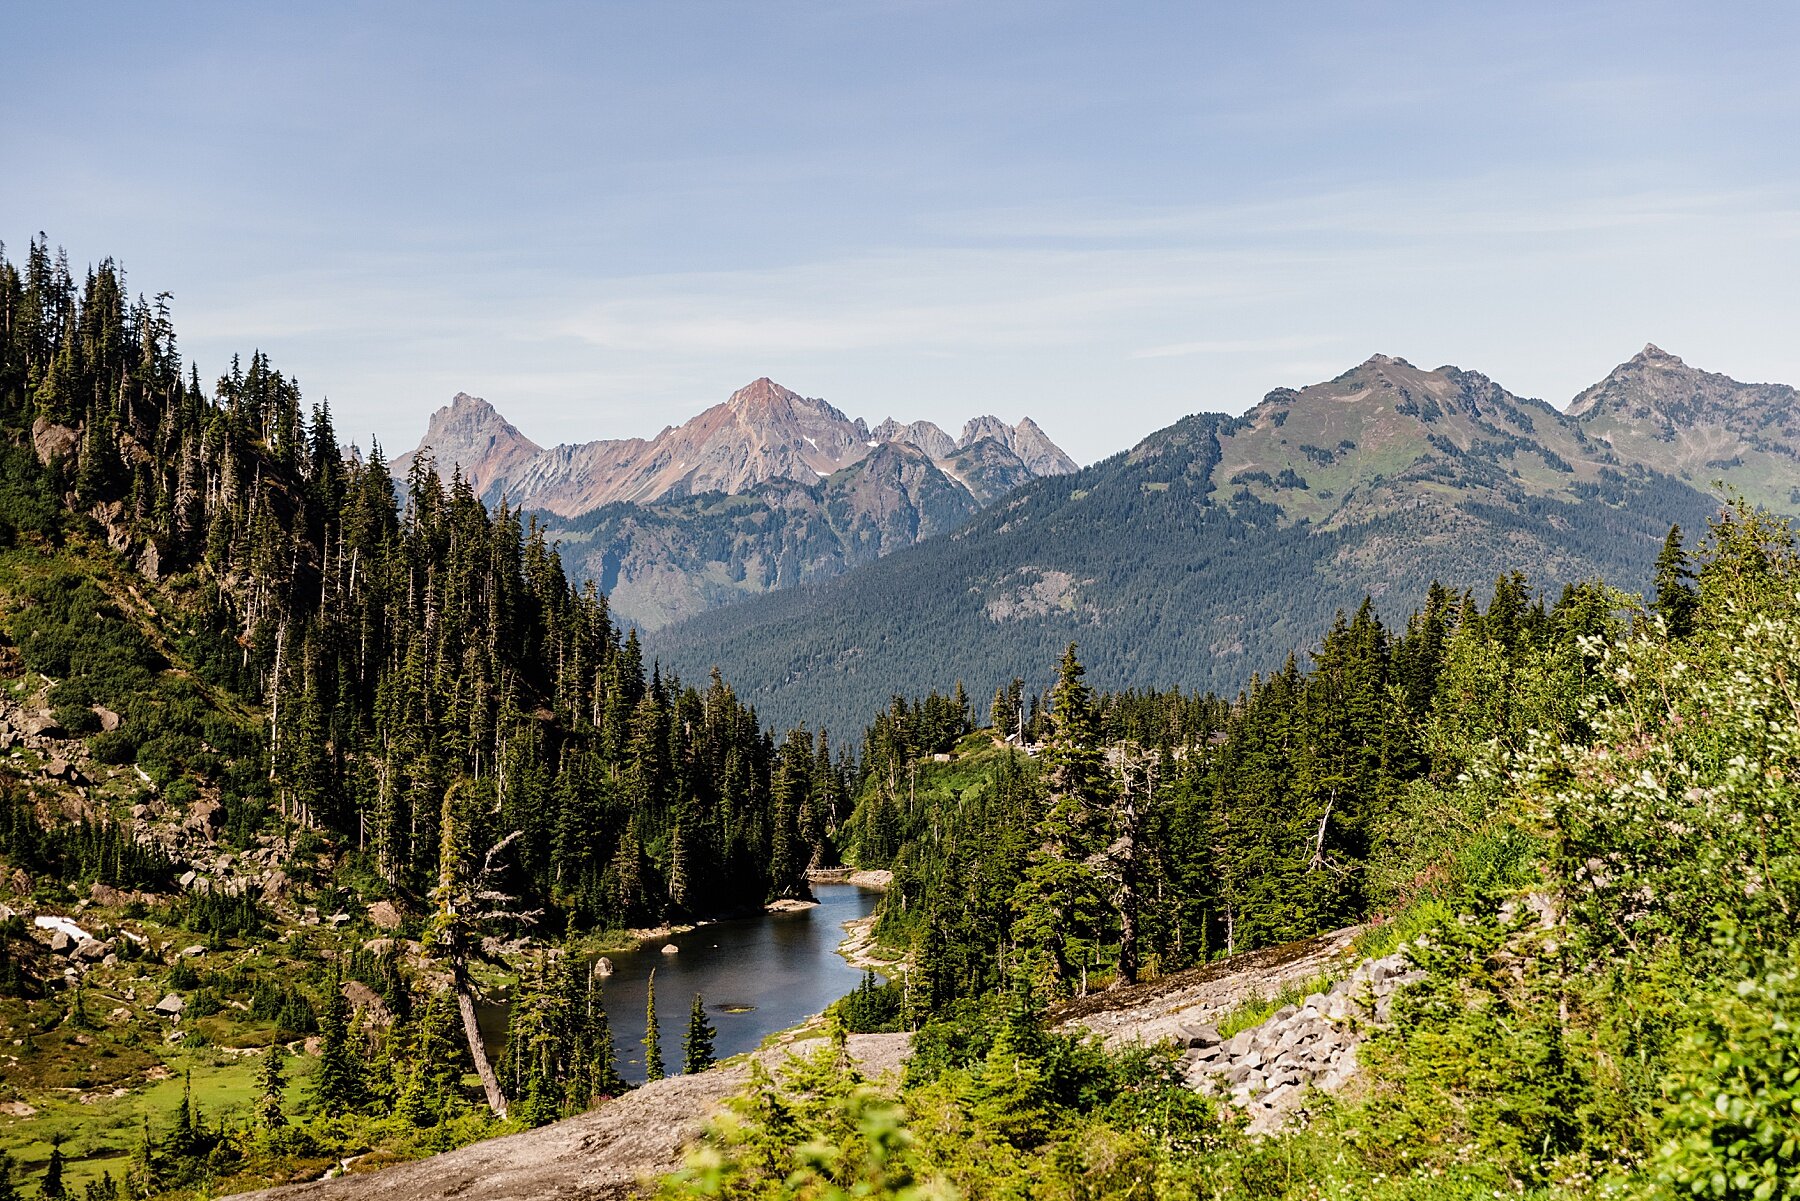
x=604, y=1154
x=1153, y=1011
x=596, y=1156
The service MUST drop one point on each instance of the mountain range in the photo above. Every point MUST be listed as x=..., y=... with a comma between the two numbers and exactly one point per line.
x=1219, y=545
x=766, y=490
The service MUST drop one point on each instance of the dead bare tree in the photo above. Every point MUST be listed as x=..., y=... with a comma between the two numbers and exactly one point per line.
x=469, y=901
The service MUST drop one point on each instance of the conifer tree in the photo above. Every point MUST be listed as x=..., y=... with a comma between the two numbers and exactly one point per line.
x=605, y=1058
x=336, y=1082
x=1676, y=598
x=270, y=1081
x=653, y=1060
x=8, y=1190
x=52, y=1185
x=1056, y=899
x=697, y=1046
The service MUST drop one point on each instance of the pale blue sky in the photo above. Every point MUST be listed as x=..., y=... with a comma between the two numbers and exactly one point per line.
x=606, y=217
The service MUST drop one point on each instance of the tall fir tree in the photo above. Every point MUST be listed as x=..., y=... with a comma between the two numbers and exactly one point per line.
x=653, y=1060
x=697, y=1045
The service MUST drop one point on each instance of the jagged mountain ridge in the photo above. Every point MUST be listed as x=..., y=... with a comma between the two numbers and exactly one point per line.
x=766, y=490
x=762, y=432
x=679, y=557
x=1219, y=545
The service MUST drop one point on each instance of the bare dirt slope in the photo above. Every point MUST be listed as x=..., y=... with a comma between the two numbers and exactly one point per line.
x=598, y=1156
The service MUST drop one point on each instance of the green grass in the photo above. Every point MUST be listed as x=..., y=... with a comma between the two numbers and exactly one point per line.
x=99, y=1136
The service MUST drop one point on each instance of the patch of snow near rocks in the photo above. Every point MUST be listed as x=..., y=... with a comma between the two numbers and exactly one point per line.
x=49, y=921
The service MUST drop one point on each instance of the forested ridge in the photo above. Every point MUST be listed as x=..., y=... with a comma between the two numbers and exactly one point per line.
x=398, y=655
x=1167, y=575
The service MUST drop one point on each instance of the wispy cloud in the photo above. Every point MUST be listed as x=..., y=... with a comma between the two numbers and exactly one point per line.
x=1176, y=350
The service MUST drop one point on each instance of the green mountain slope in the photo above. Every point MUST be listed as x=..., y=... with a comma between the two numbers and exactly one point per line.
x=1213, y=548
x=1699, y=425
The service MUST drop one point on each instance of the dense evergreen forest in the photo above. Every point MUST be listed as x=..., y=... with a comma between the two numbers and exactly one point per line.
x=422, y=669
x=1148, y=831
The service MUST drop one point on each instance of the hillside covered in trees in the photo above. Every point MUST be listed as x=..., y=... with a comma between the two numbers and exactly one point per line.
x=243, y=686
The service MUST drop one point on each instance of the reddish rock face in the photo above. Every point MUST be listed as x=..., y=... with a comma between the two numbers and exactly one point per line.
x=762, y=432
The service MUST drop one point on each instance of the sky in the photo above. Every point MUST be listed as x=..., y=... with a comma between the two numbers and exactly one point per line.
x=606, y=217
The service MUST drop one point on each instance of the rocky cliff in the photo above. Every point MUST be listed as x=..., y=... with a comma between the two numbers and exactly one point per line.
x=767, y=490
x=762, y=432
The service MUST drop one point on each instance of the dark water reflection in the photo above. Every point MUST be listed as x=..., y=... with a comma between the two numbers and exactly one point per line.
x=775, y=969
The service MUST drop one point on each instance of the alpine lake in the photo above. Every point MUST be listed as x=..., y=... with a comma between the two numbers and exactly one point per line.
x=758, y=975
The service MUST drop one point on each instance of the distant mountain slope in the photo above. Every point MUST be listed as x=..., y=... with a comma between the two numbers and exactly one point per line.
x=1699, y=425
x=662, y=562
x=762, y=432
x=1213, y=548
x=767, y=490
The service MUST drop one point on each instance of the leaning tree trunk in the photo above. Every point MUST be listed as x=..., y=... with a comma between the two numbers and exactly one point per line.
x=465, y=1004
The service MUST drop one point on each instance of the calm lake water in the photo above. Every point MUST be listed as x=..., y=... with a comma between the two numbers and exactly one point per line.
x=773, y=970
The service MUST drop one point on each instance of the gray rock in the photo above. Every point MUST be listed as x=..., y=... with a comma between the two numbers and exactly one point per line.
x=169, y=1006
x=1198, y=1036
x=41, y=726
x=90, y=950
x=61, y=943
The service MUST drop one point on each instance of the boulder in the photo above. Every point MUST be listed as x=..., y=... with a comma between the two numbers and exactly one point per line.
x=368, y=1002
x=1197, y=1036
x=170, y=1006
x=62, y=769
x=41, y=725
x=196, y=949
x=205, y=815
x=90, y=950
x=109, y=721
x=52, y=441
x=61, y=943
x=385, y=915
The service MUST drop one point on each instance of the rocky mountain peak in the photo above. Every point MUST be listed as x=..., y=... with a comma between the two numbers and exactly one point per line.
x=761, y=432
x=470, y=433
x=987, y=426
x=761, y=395
x=1654, y=355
